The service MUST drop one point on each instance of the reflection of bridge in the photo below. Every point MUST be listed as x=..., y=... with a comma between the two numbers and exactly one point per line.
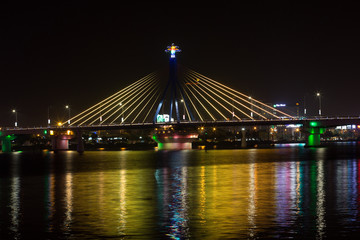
x=186, y=99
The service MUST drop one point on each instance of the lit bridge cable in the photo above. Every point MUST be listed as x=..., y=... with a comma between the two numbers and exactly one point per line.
x=128, y=100
x=97, y=106
x=129, y=97
x=217, y=110
x=207, y=90
x=110, y=106
x=202, y=105
x=236, y=94
x=226, y=101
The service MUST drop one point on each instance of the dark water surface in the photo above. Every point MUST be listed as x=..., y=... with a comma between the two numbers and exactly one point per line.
x=286, y=192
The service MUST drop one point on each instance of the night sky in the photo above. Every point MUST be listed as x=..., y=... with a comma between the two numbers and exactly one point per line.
x=62, y=53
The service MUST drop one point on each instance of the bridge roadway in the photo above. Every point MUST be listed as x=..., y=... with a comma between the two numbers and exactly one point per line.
x=324, y=122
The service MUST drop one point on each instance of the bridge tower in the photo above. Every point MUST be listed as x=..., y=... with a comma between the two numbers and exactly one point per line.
x=173, y=87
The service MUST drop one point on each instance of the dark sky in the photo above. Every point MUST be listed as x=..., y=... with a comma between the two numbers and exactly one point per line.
x=79, y=53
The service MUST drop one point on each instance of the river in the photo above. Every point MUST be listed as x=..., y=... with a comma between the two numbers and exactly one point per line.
x=284, y=192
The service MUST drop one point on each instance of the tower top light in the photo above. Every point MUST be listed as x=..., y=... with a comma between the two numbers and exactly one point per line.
x=172, y=49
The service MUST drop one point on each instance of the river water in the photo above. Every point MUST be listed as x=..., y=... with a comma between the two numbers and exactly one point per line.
x=284, y=192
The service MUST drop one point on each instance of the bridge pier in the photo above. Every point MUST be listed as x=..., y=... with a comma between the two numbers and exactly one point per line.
x=243, y=138
x=80, y=143
x=6, y=143
x=60, y=142
x=313, y=134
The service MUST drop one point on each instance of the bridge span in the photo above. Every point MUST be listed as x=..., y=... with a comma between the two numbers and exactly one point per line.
x=323, y=122
x=312, y=127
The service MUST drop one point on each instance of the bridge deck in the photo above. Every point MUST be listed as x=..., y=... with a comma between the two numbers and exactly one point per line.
x=322, y=122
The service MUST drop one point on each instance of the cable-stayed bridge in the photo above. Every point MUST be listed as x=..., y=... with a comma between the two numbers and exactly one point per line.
x=181, y=97
x=184, y=96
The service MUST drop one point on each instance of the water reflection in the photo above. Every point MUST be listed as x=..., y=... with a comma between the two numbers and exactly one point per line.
x=172, y=194
x=122, y=202
x=15, y=198
x=320, y=202
x=216, y=194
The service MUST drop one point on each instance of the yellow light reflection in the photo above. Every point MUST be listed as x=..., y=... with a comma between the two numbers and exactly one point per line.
x=320, y=203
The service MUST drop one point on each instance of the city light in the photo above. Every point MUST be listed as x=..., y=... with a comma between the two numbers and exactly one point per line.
x=319, y=96
x=279, y=105
x=173, y=50
x=16, y=121
x=68, y=108
x=314, y=124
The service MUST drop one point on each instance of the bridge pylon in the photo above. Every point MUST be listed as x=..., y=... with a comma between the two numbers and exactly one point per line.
x=174, y=88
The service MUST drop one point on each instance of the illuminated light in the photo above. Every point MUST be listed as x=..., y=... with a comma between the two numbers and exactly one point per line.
x=297, y=130
x=68, y=132
x=202, y=128
x=173, y=50
x=293, y=125
x=201, y=147
x=358, y=126
x=59, y=124
x=51, y=132
x=279, y=105
x=122, y=149
x=254, y=128
x=101, y=149
x=214, y=129
x=159, y=118
x=314, y=124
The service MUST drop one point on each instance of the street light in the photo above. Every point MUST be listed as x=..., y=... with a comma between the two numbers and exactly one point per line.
x=251, y=107
x=319, y=96
x=48, y=113
x=122, y=112
x=68, y=108
x=182, y=100
x=14, y=111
